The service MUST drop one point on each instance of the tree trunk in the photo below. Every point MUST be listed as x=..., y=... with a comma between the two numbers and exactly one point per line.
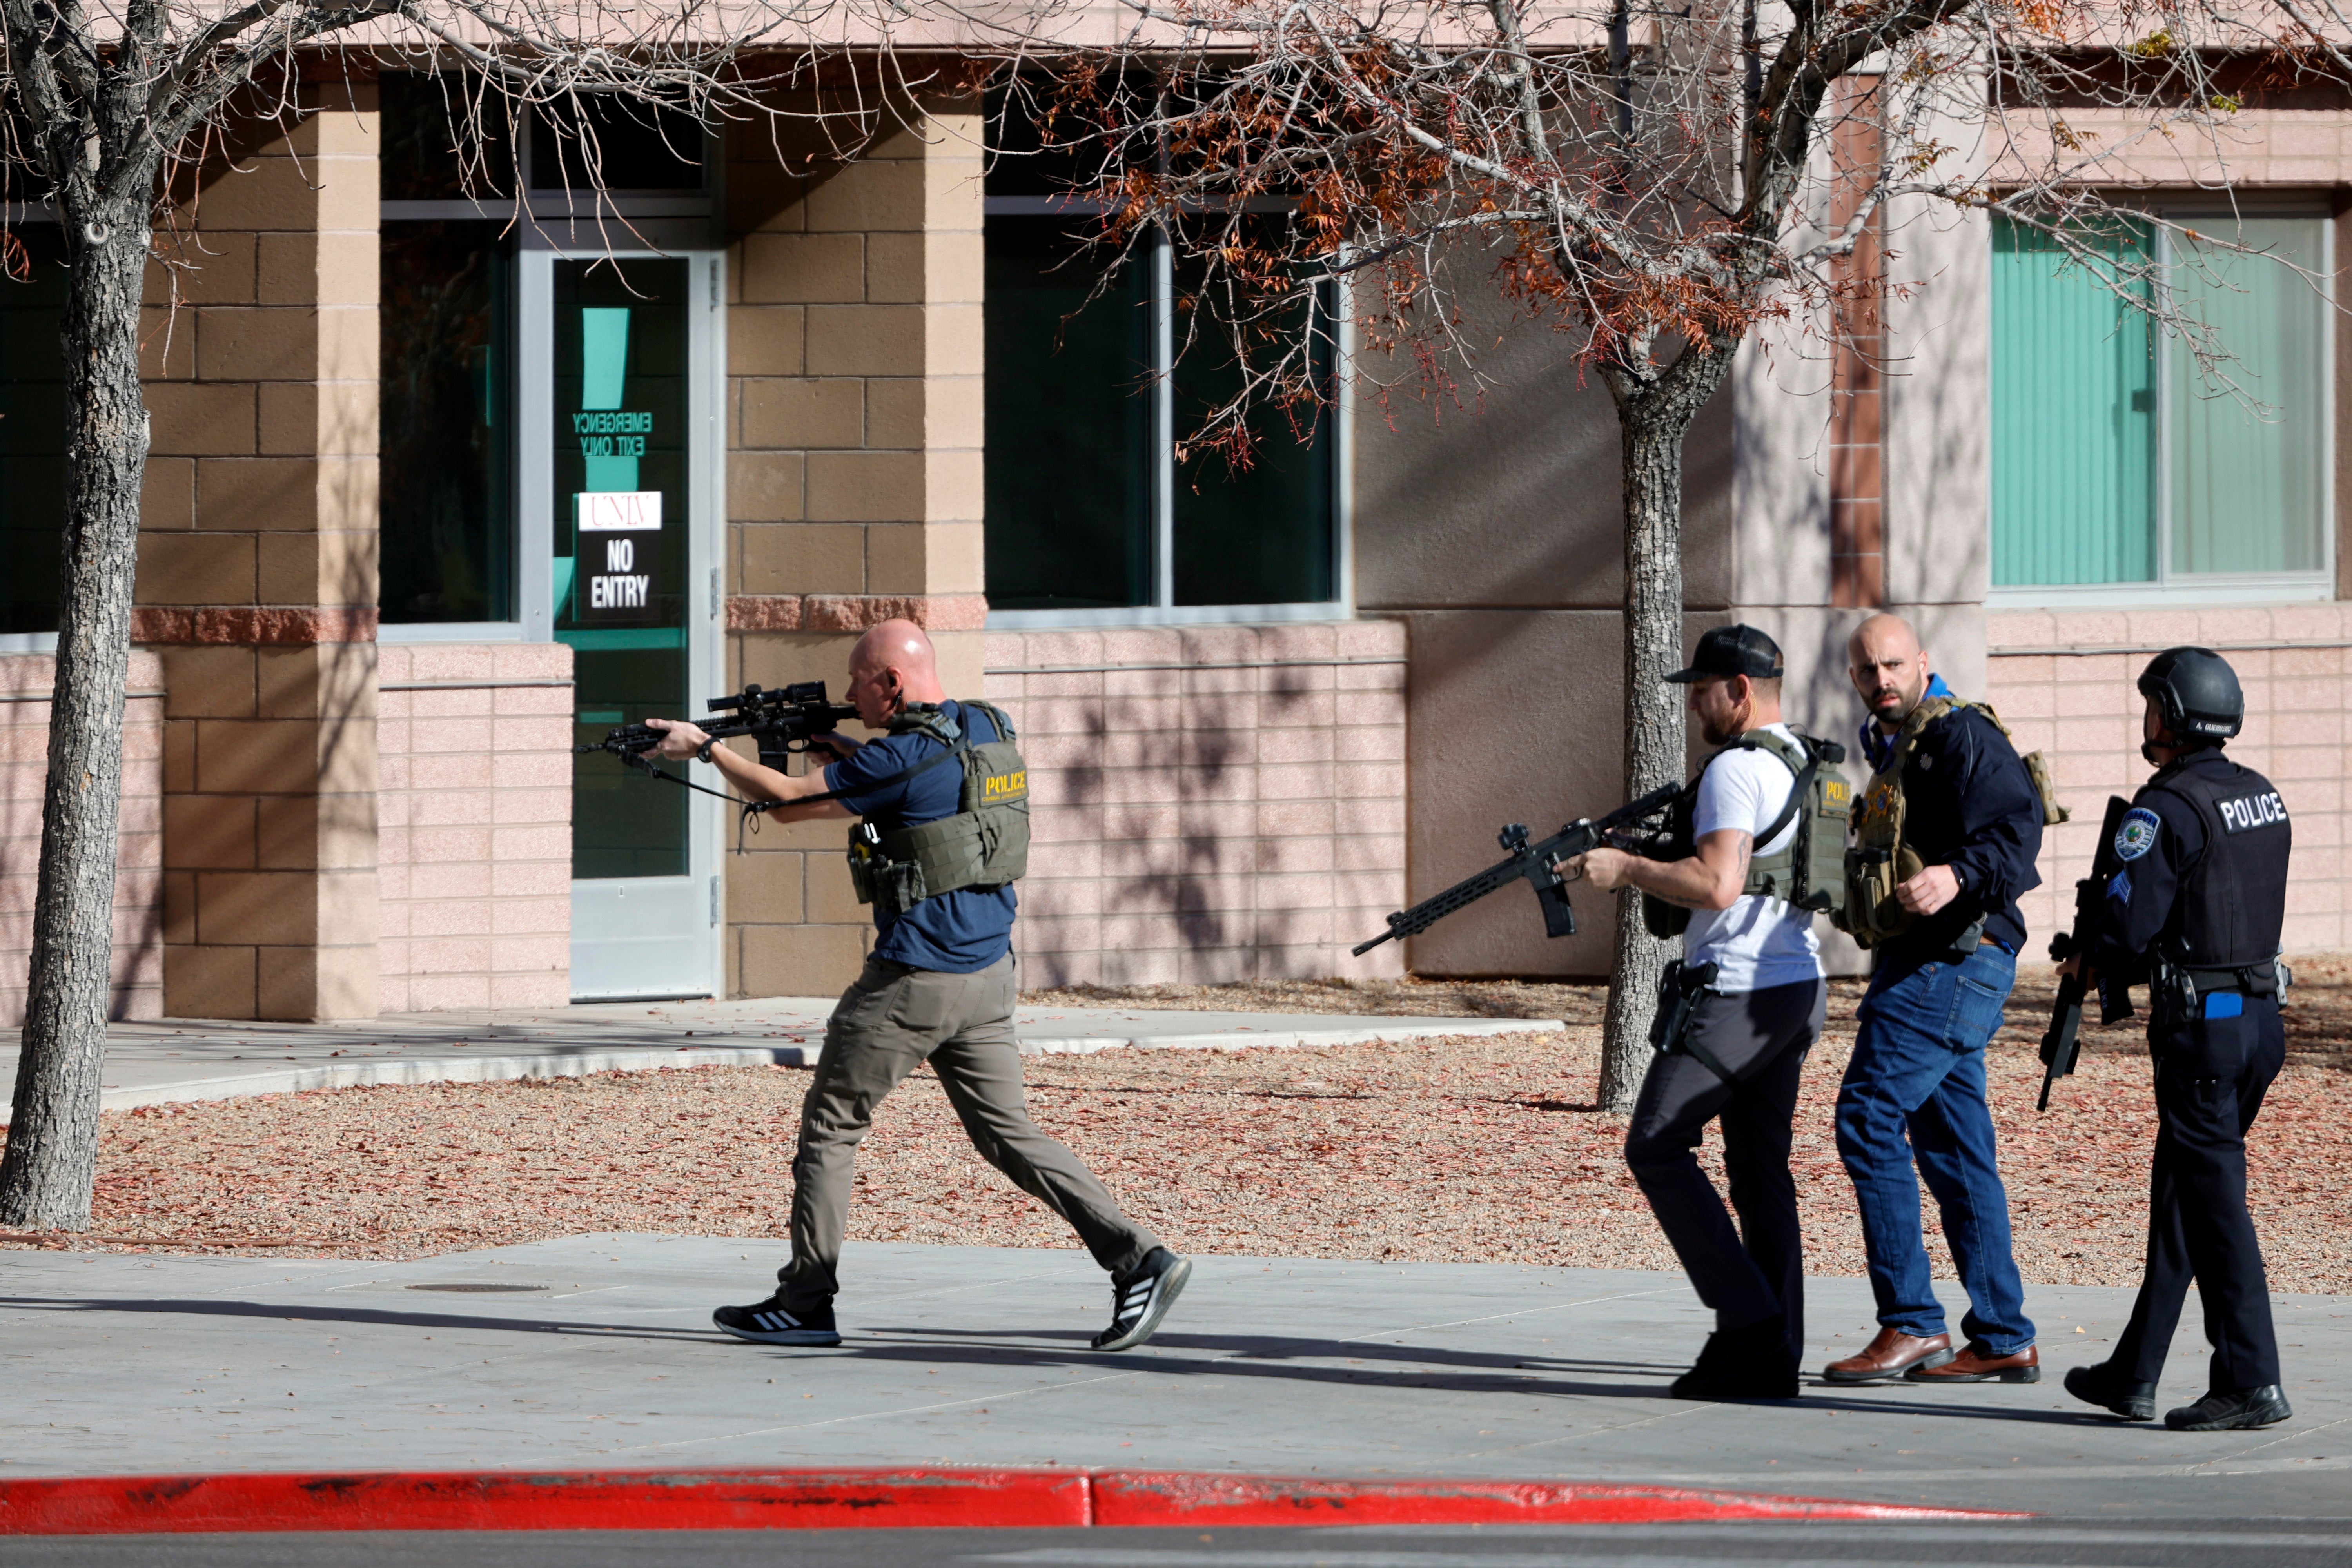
x=1650, y=430
x=51, y=1165
x=1654, y=416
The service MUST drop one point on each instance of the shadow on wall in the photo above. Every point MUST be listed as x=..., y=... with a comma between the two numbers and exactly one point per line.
x=136, y=959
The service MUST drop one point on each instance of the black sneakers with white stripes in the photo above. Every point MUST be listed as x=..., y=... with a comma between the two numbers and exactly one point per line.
x=779, y=1321
x=1141, y=1300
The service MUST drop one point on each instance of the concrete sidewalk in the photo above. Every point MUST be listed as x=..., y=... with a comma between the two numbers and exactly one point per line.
x=181, y=1060
x=596, y=1353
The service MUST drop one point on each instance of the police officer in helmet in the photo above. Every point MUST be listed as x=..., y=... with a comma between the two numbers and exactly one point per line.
x=2195, y=912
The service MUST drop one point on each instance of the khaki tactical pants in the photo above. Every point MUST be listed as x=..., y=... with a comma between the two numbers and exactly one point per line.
x=892, y=1019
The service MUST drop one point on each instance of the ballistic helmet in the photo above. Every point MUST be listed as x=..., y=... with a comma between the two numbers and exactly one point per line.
x=2196, y=694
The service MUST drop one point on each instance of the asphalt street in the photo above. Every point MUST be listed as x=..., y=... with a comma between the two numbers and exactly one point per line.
x=595, y=1353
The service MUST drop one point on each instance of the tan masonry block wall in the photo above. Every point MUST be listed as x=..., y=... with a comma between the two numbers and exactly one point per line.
x=2063, y=681
x=476, y=806
x=25, y=680
x=854, y=399
x=854, y=492
x=1208, y=804
x=258, y=570
x=2309, y=148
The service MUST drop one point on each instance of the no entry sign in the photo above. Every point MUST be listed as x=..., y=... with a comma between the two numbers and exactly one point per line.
x=620, y=554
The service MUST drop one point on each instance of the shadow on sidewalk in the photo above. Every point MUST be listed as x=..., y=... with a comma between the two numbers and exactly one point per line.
x=1251, y=1356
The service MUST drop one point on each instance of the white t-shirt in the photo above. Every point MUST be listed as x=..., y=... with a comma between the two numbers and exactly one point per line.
x=1758, y=942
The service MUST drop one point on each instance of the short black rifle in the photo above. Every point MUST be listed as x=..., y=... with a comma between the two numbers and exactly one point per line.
x=785, y=723
x=2060, y=1044
x=1534, y=862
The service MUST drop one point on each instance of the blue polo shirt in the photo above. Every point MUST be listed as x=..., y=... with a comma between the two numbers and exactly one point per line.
x=956, y=933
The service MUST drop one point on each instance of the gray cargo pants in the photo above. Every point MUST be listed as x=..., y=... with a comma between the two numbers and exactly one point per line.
x=892, y=1019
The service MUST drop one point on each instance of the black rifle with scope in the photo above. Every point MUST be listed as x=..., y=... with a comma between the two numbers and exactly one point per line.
x=2060, y=1044
x=784, y=722
x=1634, y=826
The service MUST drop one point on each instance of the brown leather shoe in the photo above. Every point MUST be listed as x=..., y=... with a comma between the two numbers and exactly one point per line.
x=1890, y=1353
x=1978, y=1365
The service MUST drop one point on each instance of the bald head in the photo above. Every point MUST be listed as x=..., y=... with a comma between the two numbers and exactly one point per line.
x=1889, y=670
x=892, y=665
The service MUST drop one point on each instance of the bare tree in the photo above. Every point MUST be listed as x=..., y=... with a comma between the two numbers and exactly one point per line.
x=1653, y=181
x=107, y=105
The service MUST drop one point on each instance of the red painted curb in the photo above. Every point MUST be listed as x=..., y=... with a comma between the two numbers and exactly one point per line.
x=1144, y=1498
x=518, y=1500
x=834, y=1500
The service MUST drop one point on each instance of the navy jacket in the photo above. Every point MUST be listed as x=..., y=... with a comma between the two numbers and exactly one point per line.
x=1971, y=805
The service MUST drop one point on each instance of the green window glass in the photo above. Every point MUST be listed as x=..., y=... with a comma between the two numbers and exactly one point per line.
x=447, y=510
x=1085, y=494
x=31, y=428
x=1069, y=441
x=620, y=543
x=2247, y=485
x=2115, y=458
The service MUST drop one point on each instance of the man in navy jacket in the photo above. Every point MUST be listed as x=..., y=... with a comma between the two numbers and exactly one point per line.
x=1914, y=1087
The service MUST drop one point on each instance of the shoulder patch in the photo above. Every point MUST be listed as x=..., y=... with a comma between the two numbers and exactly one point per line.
x=2137, y=834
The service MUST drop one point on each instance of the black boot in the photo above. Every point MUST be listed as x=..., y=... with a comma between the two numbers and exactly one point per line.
x=2100, y=1385
x=1751, y=1362
x=2232, y=1411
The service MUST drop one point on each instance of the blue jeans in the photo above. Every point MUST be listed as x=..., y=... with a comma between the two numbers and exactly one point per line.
x=1915, y=1087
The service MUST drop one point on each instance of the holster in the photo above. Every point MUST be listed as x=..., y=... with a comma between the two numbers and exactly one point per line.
x=1679, y=989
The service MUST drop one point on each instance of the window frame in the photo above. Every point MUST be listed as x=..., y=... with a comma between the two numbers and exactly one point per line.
x=2169, y=586
x=1164, y=611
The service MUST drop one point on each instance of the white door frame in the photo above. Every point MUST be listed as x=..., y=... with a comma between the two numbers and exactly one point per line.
x=639, y=937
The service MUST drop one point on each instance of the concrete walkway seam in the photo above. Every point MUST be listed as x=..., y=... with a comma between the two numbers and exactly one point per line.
x=880, y=1498
x=368, y=1072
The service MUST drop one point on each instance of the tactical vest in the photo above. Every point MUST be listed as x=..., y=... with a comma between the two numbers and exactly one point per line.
x=2232, y=902
x=1808, y=870
x=1880, y=860
x=984, y=844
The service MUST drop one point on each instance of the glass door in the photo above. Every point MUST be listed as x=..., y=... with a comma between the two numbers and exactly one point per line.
x=628, y=439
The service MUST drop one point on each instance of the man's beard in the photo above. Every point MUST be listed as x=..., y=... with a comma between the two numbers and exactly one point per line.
x=1895, y=705
x=1715, y=736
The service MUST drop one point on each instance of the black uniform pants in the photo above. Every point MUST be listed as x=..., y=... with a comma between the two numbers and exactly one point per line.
x=1757, y=1270
x=2210, y=1076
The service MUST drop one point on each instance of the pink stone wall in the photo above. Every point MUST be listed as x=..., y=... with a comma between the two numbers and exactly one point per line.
x=138, y=968
x=2063, y=681
x=1210, y=803
x=475, y=814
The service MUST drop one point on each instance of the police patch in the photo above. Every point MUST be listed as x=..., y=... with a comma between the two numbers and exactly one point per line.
x=2136, y=835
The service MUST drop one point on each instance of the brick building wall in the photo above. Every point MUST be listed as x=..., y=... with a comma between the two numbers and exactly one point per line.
x=25, y=680
x=2063, y=681
x=1208, y=804
x=474, y=800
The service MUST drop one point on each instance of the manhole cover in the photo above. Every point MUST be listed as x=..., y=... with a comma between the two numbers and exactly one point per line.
x=470, y=1287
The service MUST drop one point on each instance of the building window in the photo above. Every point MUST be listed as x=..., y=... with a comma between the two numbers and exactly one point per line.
x=449, y=324
x=1091, y=514
x=2121, y=472
x=446, y=424
x=32, y=430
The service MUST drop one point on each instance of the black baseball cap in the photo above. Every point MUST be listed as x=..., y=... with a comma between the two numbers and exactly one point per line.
x=1732, y=650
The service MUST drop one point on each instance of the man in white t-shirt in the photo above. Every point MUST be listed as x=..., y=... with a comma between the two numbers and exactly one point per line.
x=1743, y=1040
